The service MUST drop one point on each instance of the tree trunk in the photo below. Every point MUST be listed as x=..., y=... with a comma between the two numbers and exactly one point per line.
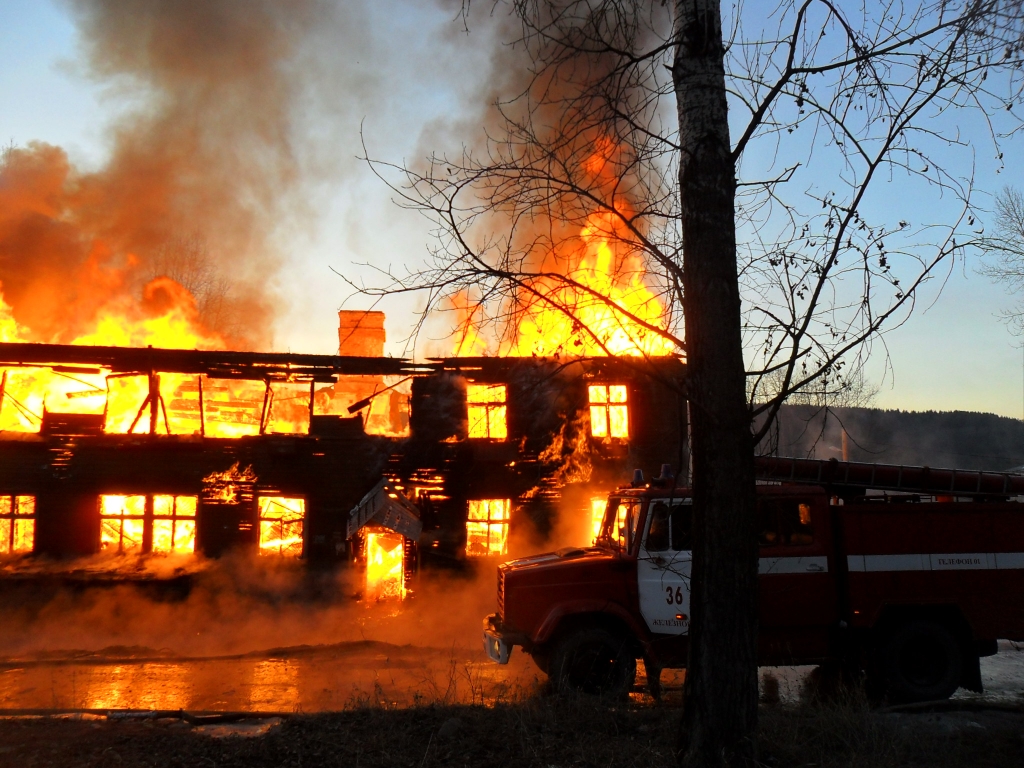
x=720, y=719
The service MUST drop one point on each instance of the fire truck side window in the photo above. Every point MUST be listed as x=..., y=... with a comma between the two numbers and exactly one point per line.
x=681, y=522
x=658, y=533
x=622, y=519
x=632, y=523
x=785, y=522
x=796, y=522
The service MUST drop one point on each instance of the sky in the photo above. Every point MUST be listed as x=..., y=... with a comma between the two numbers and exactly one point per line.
x=402, y=77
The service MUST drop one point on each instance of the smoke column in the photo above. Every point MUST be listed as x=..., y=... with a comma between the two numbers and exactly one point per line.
x=200, y=172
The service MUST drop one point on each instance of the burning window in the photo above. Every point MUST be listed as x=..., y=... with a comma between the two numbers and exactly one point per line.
x=385, y=565
x=609, y=413
x=487, y=527
x=232, y=486
x=163, y=524
x=487, y=411
x=286, y=410
x=17, y=524
x=232, y=407
x=122, y=523
x=174, y=524
x=281, y=521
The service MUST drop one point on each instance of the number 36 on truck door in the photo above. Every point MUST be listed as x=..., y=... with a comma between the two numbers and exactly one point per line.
x=663, y=567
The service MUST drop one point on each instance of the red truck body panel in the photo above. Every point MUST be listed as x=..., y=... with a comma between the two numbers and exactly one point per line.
x=940, y=553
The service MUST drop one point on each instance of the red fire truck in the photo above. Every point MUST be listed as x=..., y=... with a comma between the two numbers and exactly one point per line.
x=908, y=574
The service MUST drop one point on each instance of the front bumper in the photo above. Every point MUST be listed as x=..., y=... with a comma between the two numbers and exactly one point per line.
x=498, y=644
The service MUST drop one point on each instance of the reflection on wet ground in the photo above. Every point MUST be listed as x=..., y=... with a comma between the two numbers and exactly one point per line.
x=323, y=678
x=288, y=680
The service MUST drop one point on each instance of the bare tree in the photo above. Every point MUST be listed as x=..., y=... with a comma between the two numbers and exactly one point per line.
x=187, y=260
x=854, y=390
x=1006, y=246
x=773, y=255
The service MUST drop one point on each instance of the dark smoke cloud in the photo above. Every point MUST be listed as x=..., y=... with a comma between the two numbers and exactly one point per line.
x=202, y=168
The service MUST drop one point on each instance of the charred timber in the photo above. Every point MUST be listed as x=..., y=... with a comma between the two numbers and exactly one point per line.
x=216, y=364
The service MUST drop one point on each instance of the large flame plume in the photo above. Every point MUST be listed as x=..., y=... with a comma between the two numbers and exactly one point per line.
x=169, y=242
x=590, y=294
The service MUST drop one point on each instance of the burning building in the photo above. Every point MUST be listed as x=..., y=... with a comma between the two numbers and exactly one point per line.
x=328, y=458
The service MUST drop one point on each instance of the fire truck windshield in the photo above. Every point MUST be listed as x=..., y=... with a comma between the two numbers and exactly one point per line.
x=621, y=519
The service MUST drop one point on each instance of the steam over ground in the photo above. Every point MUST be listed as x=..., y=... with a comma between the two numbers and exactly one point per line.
x=191, y=606
x=239, y=605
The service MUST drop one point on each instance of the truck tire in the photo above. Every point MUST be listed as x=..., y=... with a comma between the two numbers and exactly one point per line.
x=592, y=661
x=921, y=661
x=542, y=659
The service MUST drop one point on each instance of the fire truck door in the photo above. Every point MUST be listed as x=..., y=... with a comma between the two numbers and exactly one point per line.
x=798, y=603
x=663, y=567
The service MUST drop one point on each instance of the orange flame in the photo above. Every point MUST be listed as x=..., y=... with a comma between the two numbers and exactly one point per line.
x=602, y=306
x=385, y=566
x=165, y=317
x=225, y=484
x=592, y=296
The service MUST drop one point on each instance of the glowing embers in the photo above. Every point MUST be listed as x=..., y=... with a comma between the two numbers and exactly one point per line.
x=174, y=524
x=281, y=521
x=161, y=524
x=487, y=411
x=122, y=523
x=385, y=565
x=487, y=527
x=609, y=412
x=17, y=524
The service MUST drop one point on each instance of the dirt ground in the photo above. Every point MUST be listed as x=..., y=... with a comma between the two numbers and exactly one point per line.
x=541, y=731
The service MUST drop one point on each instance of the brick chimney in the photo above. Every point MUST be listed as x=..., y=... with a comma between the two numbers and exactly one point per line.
x=361, y=334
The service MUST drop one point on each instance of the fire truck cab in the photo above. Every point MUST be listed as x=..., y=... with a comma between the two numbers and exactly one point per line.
x=909, y=589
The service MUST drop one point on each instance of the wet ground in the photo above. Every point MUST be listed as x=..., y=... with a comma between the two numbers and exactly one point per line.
x=302, y=679
x=334, y=677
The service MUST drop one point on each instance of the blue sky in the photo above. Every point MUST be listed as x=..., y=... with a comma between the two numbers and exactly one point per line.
x=953, y=354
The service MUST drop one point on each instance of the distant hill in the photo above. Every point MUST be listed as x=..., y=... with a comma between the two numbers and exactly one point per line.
x=934, y=438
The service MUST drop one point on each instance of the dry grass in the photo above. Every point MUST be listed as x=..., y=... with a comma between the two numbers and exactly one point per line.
x=844, y=730
x=538, y=731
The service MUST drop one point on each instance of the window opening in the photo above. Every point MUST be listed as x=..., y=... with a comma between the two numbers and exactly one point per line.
x=162, y=524
x=598, y=506
x=785, y=522
x=487, y=411
x=122, y=523
x=287, y=408
x=182, y=404
x=621, y=522
x=487, y=527
x=281, y=523
x=22, y=395
x=670, y=526
x=17, y=524
x=232, y=407
x=609, y=412
x=385, y=565
x=174, y=524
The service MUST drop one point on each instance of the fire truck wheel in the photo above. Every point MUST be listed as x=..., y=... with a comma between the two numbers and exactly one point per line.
x=922, y=662
x=592, y=661
x=542, y=659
